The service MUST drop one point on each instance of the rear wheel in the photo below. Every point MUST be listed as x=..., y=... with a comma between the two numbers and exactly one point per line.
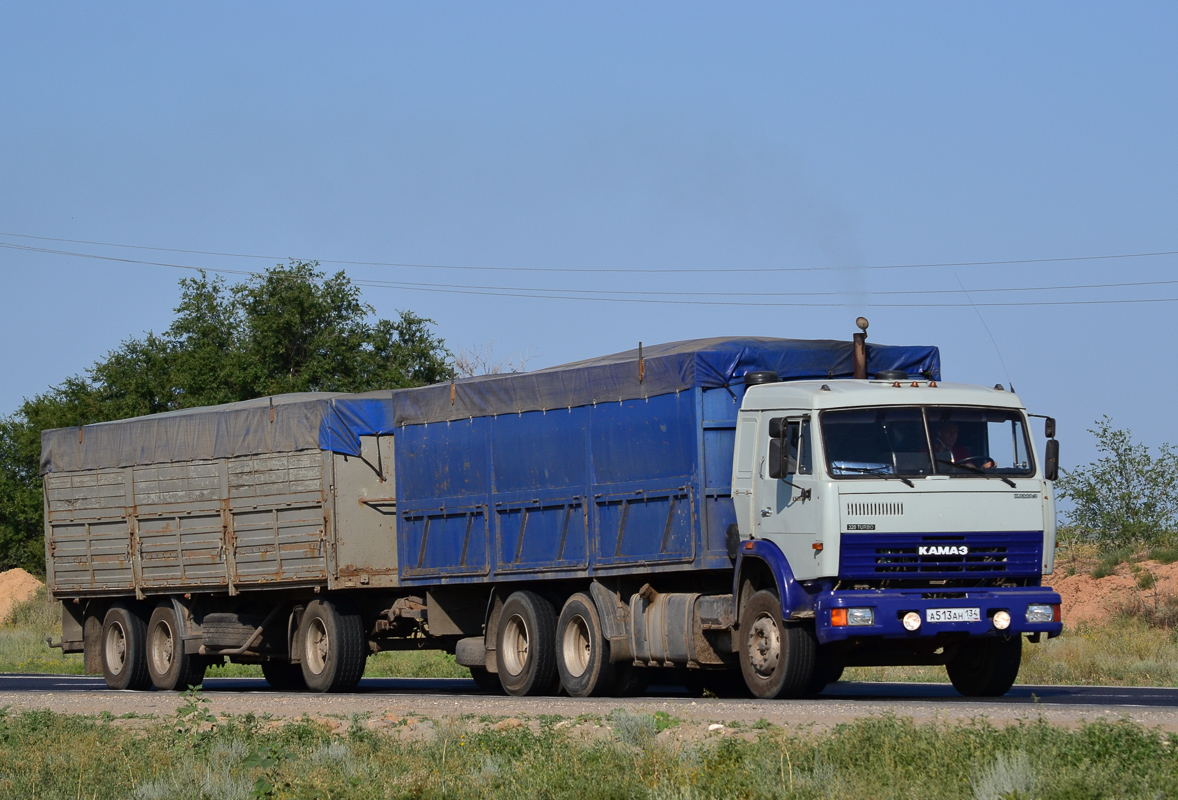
x=582, y=652
x=776, y=658
x=335, y=648
x=284, y=677
x=170, y=668
x=124, y=649
x=986, y=667
x=525, y=645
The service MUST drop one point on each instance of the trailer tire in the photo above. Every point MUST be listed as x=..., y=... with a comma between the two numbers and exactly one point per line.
x=486, y=680
x=582, y=651
x=283, y=676
x=335, y=647
x=986, y=667
x=525, y=645
x=776, y=658
x=124, y=648
x=228, y=630
x=170, y=668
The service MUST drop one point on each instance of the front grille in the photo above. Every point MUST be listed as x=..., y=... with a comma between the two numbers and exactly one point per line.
x=909, y=560
x=971, y=555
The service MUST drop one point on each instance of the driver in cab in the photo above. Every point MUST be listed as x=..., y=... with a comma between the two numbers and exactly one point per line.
x=946, y=448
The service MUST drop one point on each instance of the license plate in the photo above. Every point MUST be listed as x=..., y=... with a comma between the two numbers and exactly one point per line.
x=953, y=615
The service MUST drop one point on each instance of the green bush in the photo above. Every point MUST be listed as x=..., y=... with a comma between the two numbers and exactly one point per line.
x=1127, y=497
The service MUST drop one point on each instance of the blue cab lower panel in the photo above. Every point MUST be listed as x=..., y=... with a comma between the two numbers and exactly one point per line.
x=891, y=605
x=616, y=488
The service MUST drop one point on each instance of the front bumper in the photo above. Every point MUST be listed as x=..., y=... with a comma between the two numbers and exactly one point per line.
x=890, y=606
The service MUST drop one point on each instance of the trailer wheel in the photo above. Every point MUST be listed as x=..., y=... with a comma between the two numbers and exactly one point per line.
x=777, y=659
x=582, y=652
x=124, y=650
x=170, y=668
x=334, y=646
x=525, y=645
x=486, y=680
x=284, y=677
x=986, y=667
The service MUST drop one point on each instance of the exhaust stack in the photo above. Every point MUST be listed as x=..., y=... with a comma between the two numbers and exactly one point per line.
x=859, y=354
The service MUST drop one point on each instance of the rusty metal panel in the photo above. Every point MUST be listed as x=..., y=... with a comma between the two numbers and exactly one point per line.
x=91, y=555
x=99, y=493
x=182, y=550
x=273, y=475
x=279, y=544
x=365, y=515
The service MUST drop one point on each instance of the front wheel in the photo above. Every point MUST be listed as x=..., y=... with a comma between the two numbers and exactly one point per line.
x=776, y=658
x=334, y=646
x=986, y=667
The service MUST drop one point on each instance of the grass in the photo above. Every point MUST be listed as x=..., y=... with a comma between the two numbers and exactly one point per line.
x=194, y=755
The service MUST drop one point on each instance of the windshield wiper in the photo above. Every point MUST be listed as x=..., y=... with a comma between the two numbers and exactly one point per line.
x=980, y=471
x=876, y=471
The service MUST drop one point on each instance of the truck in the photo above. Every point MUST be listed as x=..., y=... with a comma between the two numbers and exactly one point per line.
x=749, y=515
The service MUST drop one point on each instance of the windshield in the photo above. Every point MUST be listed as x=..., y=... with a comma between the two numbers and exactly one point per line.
x=933, y=440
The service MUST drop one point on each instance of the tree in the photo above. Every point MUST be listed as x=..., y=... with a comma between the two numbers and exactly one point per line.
x=290, y=329
x=1128, y=496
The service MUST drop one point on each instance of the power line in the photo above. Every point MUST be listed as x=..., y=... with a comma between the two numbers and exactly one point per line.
x=672, y=270
x=659, y=297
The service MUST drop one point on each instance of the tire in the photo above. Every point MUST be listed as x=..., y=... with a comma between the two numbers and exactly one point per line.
x=629, y=680
x=170, y=668
x=525, y=645
x=284, y=677
x=228, y=630
x=777, y=659
x=486, y=680
x=582, y=651
x=334, y=646
x=826, y=672
x=986, y=667
x=124, y=649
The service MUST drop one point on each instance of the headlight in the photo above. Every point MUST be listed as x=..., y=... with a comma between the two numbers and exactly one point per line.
x=912, y=621
x=1002, y=620
x=1041, y=612
x=860, y=616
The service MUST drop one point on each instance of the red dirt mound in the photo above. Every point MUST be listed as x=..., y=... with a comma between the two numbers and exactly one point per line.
x=16, y=586
x=1096, y=600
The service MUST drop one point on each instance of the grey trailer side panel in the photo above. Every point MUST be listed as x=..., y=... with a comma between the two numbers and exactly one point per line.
x=365, y=509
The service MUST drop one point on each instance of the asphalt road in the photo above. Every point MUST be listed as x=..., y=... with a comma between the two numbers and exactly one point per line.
x=426, y=697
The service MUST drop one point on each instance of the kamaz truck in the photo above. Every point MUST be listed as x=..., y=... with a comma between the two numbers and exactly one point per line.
x=744, y=514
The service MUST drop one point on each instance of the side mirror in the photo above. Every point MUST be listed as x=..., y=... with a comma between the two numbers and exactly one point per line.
x=775, y=458
x=1049, y=427
x=1051, y=461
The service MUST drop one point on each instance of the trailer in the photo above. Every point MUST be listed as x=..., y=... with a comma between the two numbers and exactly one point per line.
x=725, y=508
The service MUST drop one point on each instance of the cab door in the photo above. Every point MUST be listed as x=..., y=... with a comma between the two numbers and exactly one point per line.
x=786, y=502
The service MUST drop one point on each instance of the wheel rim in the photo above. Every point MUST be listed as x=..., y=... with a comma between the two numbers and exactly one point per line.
x=764, y=645
x=115, y=647
x=318, y=645
x=515, y=645
x=161, y=647
x=576, y=647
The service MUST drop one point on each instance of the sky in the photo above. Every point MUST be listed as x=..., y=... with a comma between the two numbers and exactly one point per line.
x=699, y=169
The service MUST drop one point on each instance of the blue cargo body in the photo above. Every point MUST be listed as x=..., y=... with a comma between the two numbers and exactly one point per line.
x=539, y=475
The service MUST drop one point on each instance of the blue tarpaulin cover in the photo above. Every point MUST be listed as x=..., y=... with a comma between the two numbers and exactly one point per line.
x=334, y=422
x=667, y=368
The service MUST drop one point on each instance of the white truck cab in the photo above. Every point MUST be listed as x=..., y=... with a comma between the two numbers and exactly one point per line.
x=916, y=519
